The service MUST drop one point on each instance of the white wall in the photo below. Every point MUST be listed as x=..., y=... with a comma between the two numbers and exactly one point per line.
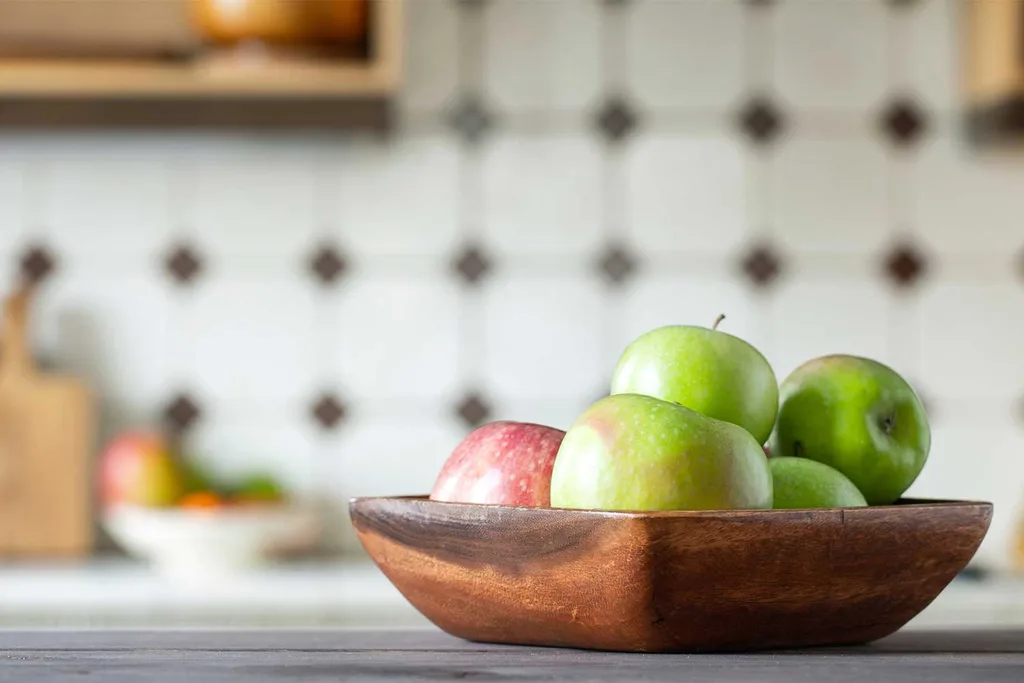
x=255, y=339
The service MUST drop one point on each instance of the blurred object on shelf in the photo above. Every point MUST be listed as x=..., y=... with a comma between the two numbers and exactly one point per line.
x=328, y=64
x=993, y=71
x=46, y=431
x=104, y=29
x=302, y=25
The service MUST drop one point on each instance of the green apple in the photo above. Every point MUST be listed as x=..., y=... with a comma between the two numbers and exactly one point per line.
x=706, y=370
x=635, y=452
x=858, y=416
x=803, y=483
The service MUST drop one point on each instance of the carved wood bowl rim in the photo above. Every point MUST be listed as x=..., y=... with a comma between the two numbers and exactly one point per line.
x=901, y=504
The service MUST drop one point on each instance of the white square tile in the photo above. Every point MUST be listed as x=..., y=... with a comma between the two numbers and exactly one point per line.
x=542, y=194
x=971, y=462
x=675, y=299
x=685, y=54
x=386, y=456
x=286, y=447
x=830, y=55
x=971, y=340
x=685, y=193
x=830, y=195
x=11, y=205
x=257, y=203
x=966, y=204
x=431, y=54
x=398, y=337
x=383, y=457
x=557, y=414
x=116, y=332
x=816, y=318
x=95, y=206
x=254, y=339
x=542, y=55
x=400, y=197
x=544, y=337
x=929, y=37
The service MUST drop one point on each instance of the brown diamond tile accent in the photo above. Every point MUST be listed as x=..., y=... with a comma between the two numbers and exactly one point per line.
x=473, y=409
x=328, y=264
x=903, y=122
x=616, y=120
x=472, y=265
x=905, y=265
x=761, y=120
x=180, y=413
x=762, y=265
x=616, y=264
x=183, y=264
x=470, y=119
x=329, y=411
x=37, y=263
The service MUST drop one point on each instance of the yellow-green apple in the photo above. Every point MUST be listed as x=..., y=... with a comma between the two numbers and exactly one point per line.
x=636, y=452
x=858, y=416
x=802, y=483
x=140, y=468
x=704, y=369
x=501, y=463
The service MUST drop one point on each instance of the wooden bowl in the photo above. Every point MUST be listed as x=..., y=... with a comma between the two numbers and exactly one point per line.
x=686, y=581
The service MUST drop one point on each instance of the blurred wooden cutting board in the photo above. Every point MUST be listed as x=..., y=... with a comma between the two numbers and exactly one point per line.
x=46, y=432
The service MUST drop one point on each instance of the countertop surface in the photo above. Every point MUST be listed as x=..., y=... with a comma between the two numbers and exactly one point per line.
x=427, y=654
x=348, y=593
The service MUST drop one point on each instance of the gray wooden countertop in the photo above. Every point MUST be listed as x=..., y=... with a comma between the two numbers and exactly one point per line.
x=429, y=655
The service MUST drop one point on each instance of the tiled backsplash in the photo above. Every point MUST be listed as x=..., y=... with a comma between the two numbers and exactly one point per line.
x=567, y=175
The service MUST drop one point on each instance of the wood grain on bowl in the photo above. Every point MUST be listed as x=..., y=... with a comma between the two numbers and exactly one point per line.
x=669, y=581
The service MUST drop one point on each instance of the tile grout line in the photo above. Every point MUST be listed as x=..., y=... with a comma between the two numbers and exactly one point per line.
x=182, y=196
x=758, y=66
x=470, y=83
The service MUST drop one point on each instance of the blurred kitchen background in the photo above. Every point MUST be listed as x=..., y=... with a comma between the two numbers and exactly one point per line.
x=327, y=261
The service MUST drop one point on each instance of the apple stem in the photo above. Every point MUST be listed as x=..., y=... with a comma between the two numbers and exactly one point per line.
x=719, y=319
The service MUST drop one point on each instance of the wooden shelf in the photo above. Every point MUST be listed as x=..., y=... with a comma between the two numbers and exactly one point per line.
x=212, y=89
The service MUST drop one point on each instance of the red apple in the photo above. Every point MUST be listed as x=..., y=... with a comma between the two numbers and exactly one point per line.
x=140, y=468
x=501, y=463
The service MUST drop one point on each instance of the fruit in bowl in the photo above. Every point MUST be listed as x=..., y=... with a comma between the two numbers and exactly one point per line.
x=858, y=416
x=696, y=420
x=160, y=506
x=140, y=468
x=634, y=452
x=703, y=369
x=690, y=508
x=799, y=483
x=504, y=463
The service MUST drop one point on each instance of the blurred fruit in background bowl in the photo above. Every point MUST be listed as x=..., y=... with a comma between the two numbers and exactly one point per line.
x=161, y=507
x=282, y=22
x=140, y=468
